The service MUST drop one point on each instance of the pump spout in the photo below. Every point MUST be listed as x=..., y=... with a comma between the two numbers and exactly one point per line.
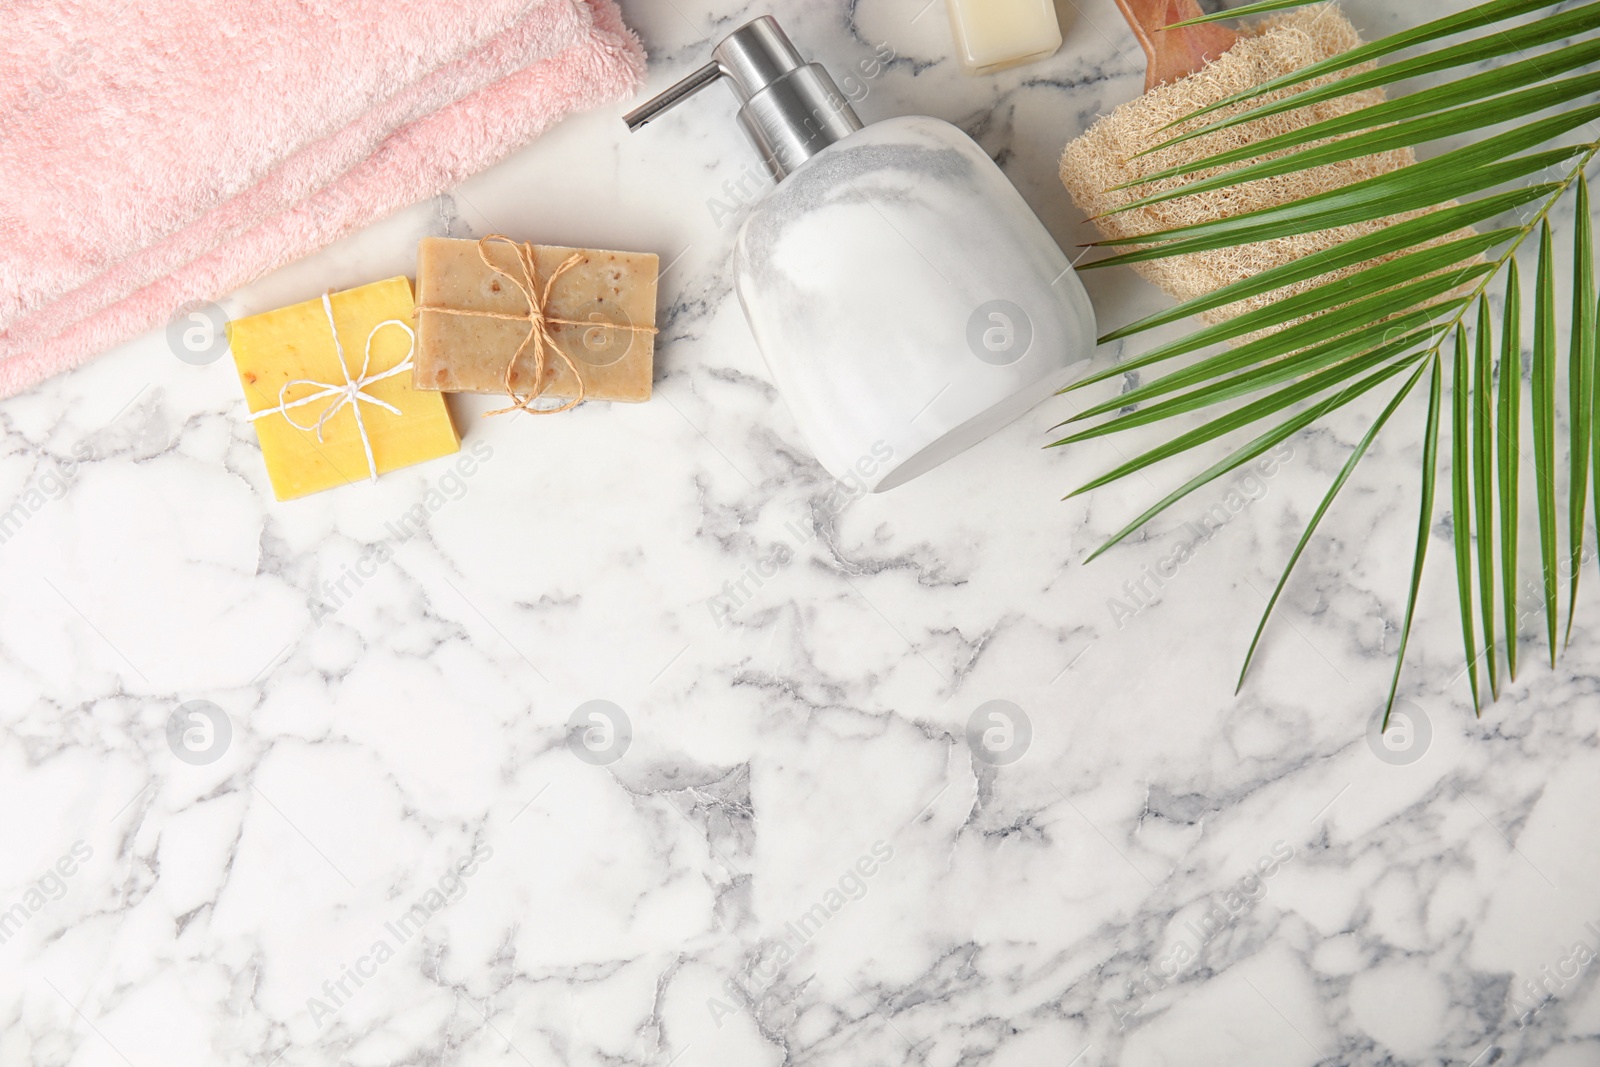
x=672, y=97
x=790, y=109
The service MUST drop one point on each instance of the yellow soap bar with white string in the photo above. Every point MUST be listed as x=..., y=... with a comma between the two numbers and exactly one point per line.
x=288, y=356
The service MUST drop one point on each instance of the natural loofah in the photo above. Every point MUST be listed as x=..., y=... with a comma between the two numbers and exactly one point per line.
x=1103, y=157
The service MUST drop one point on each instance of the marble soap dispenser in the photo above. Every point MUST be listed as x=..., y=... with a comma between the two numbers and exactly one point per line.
x=906, y=299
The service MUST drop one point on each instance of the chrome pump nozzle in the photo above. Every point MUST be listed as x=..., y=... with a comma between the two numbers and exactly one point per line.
x=790, y=109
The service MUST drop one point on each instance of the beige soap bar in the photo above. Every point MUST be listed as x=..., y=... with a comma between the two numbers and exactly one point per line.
x=609, y=291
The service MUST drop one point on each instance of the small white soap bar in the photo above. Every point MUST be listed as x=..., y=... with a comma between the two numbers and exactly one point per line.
x=992, y=35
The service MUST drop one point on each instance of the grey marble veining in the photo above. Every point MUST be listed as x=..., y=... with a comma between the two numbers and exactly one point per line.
x=784, y=838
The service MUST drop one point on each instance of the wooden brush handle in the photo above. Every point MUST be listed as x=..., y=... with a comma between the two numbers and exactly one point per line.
x=1174, y=54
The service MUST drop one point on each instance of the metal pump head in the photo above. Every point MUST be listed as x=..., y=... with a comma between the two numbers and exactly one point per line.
x=790, y=109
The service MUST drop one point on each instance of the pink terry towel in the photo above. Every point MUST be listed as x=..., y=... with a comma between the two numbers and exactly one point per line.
x=155, y=152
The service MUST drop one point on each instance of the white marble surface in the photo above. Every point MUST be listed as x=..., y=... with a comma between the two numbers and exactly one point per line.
x=614, y=912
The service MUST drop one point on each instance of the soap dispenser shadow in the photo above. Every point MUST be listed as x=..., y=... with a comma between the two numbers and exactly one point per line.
x=906, y=299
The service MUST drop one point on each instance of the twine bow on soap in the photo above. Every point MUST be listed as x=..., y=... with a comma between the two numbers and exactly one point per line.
x=539, y=320
x=352, y=392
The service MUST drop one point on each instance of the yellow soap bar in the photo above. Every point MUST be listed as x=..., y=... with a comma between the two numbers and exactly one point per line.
x=275, y=348
x=608, y=292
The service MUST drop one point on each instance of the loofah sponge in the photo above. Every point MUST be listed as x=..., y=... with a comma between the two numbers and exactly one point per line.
x=1103, y=157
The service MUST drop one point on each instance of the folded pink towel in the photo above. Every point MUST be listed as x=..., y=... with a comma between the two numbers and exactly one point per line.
x=174, y=150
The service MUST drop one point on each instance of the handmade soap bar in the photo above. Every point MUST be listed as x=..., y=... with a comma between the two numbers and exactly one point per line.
x=613, y=294
x=992, y=35
x=296, y=344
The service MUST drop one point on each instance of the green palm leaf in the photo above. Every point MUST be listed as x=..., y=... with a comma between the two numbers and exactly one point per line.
x=1271, y=404
x=1460, y=504
x=1473, y=18
x=1368, y=315
x=1430, y=452
x=1322, y=509
x=1254, y=448
x=1518, y=39
x=1404, y=235
x=1544, y=422
x=1483, y=484
x=1262, y=8
x=1510, y=455
x=1423, y=102
x=1347, y=319
x=1451, y=176
x=1409, y=133
x=1373, y=330
x=1580, y=381
x=1594, y=406
x=1289, y=368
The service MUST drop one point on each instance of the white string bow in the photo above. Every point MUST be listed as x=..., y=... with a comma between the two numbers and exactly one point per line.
x=352, y=392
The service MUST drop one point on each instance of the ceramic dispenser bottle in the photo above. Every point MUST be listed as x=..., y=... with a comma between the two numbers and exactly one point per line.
x=907, y=300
